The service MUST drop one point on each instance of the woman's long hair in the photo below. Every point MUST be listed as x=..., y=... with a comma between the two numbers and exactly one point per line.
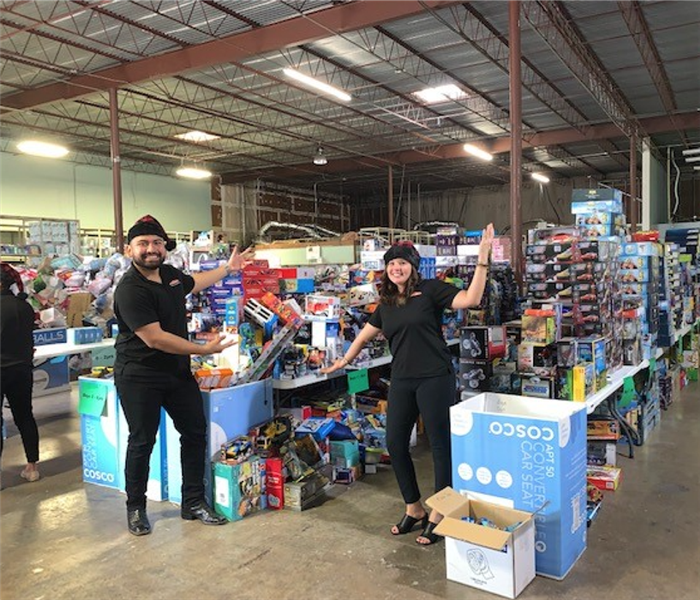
x=390, y=293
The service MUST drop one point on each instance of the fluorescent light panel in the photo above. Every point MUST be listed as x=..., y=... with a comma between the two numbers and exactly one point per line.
x=478, y=152
x=692, y=159
x=691, y=151
x=539, y=177
x=45, y=149
x=193, y=173
x=318, y=85
x=197, y=136
x=442, y=93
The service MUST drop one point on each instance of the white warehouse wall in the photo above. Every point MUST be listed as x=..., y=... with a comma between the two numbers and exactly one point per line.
x=41, y=187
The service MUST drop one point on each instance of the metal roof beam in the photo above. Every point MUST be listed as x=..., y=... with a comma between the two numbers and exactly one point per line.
x=686, y=121
x=292, y=32
x=639, y=30
x=551, y=22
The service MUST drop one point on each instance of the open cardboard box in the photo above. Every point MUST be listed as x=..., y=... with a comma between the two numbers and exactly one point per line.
x=493, y=560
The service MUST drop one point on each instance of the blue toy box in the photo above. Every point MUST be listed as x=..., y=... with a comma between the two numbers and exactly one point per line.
x=528, y=454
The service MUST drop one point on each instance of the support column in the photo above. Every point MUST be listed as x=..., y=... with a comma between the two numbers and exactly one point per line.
x=646, y=184
x=391, y=198
x=516, y=133
x=634, y=209
x=116, y=168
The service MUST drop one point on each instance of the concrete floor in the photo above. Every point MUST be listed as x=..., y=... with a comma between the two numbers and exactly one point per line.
x=64, y=539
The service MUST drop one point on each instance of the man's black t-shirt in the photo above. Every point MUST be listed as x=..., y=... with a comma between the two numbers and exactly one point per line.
x=16, y=326
x=414, y=331
x=139, y=302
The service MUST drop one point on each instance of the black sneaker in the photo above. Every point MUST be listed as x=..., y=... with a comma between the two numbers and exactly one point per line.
x=203, y=512
x=138, y=523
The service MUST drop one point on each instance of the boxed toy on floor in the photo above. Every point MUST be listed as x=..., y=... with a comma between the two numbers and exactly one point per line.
x=239, y=488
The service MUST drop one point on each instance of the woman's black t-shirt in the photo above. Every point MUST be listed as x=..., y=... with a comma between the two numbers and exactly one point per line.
x=414, y=331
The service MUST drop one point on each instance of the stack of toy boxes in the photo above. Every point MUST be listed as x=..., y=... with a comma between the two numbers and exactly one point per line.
x=671, y=315
x=687, y=289
x=599, y=215
x=345, y=458
x=578, y=277
x=690, y=358
x=688, y=241
x=537, y=353
x=259, y=279
x=219, y=293
x=446, y=240
x=297, y=280
x=639, y=288
x=478, y=347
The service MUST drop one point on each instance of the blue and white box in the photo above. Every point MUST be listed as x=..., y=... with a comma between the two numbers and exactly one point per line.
x=84, y=335
x=529, y=455
x=99, y=424
x=53, y=335
x=229, y=412
x=50, y=375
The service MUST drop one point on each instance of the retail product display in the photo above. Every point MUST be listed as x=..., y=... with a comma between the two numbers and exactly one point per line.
x=555, y=379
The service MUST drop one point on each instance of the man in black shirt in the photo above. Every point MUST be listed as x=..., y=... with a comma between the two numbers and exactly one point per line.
x=16, y=353
x=152, y=368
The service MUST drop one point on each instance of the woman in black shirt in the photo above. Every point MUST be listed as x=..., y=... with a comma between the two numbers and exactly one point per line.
x=422, y=378
x=16, y=364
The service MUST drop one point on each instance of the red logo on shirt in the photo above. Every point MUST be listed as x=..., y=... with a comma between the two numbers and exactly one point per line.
x=175, y=282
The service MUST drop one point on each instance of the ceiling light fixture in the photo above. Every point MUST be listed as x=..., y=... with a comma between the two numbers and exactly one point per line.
x=197, y=136
x=478, y=152
x=193, y=173
x=318, y=85
x=539, y=177
x=320, y=158
x=442, y=93
x=45, y=149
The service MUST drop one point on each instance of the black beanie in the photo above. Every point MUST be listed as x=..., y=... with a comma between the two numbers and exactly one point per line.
x=150, y=226
x=405, y=250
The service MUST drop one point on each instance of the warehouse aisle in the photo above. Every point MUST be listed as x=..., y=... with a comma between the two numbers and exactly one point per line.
x=62, y=539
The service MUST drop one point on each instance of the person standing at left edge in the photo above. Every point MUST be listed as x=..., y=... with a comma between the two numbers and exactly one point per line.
x=152, y=367
x=16, y=364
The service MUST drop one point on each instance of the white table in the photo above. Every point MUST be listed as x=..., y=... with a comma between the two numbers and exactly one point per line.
x=53, y=350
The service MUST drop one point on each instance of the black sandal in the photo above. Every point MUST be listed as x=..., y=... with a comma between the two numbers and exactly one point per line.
x=429, y=535
x=407, y=523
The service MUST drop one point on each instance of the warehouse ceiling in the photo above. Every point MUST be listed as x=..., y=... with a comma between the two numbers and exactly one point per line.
x=594, y=74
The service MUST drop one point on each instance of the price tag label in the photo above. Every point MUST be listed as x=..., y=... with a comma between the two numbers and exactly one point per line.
x=358, y=381
x=92, y=398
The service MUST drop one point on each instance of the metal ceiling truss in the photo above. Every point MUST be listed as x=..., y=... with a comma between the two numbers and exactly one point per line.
x=237, y=46
x=554, y=26
x=639, y=30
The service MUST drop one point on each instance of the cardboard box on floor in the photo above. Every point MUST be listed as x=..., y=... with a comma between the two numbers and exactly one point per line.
x=493, y=560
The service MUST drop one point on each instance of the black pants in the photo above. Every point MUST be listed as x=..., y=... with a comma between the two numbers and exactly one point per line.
x=431, y=397
x=16, y=385
x=141, y=398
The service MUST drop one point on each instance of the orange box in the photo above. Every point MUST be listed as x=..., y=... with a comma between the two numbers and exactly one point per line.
x=209, y=379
